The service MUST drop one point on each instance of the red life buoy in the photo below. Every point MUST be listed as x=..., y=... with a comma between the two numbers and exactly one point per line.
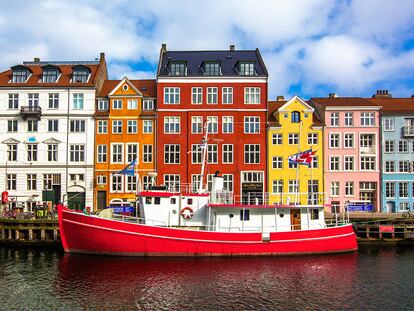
x=187, y=212
x=4, y=197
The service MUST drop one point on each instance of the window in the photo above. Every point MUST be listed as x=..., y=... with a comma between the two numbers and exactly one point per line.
x=148, y=104
x=367, y=163
x=367, y=141
x=277, y=139
x=146, y=183
x=101, y=180
x=131, y=183
x=132, y=127
x=31, y=152
x=334, y=163
x=293, y=186
x=251, y=154
x=31, y=182
x=171, y=125
x=103, y=105
x=177, y=69
x=132, y=104
x=196, y=154
x=117, y=127
x=314, y=214
x=293, y=138
x=197, y=95
x=50, y=76
x=212, y=69
x=227, y=153
x=403, y=206
x=195, y=182
x=171, y=95
x=335, y=188
x=404, y=166
x=33, y=99
x=314, y=163
x=295, y=117
x=77, y=126
x=19, y=75
x=52, y=152
x=212, y=153
x=13, y=101
x=172, y=182
x=212, y=125
x=80, y=75
x=147, y=127
x=102, y=126
x=389, y=166
x=388, y=124
x=117, y=104
x=403, y=189
x=117, y=153
x=251, y=125
x=228, y=182
x=334, y=118
x=116, y=183
x=252, y=95
x=53, y=125
x=171, y=154
x=77, y=153
x=132, y=152
x=196, y=125
x=227, y=124
x=389, y=146
x=403, y=146
x=277, y=186
x=349, y=188
x=12, y=126
x=12, y=152
x=32, y=125
x=349, y=118
x=277, y=162
x=72, y=177
x=246, y=69
x=367, y=119
x=312, y=138
x=349, y=163
x=348, y=140
x=78, y=101
x=227, y=95
x=147, y=154
x=244, y=215
x=53, y=100
x=212, y=95
x=333, y=140
x=102, y=152
x=390, y=189
x=292, y=164
x=11, y=182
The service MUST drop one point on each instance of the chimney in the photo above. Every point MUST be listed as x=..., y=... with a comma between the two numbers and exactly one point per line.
x=382, y=94
x=101, y=56
x=232, y=47
x=280, y=98
x=164, y=47
x=36, y=60
x=412, y=96
x=333, y=95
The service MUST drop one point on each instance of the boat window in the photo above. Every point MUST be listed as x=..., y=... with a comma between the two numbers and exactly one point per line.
x=148, y=200
x=189, y=201
x=281, y=215
x=157, y=200
x=231, y=215
x=173, y=201
x=314, y=213
x=245, y=214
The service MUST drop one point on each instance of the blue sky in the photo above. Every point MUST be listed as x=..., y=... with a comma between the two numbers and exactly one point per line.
x=311, y=47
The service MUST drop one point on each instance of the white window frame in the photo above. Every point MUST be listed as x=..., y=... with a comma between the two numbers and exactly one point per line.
x=119, y=153
x=102, y=127
x=227, y=124
x=147, y=127
x=252, y=95
x=227, y=153
x=101, y=153
x=172, y=95
x=212, y=95
x=196, y=95
x=117, y=104
x=212, y=126
x=227, y=95
x=118, y=125
x=251, y=125
x=172, y=125
x=196, y=125
x=132, y=104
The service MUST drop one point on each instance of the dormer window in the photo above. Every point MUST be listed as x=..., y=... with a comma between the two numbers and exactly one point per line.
x=246, y=69
x=295, y=117
x=50, y=75
x=80, y=75
x=177, y=69
x=212, y=69
x=20, y=74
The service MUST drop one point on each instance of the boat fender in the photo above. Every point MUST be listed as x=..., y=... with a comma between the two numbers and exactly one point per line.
x=187, y=212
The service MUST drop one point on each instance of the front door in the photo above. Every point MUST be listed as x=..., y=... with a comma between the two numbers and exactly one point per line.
x=101, y=200
x=295, y=219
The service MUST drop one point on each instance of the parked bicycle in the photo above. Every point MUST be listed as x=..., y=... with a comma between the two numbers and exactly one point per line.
x=408, y=214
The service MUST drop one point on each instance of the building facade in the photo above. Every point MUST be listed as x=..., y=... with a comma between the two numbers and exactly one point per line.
x=46, y=127
x=294, y=127
x=224, y=93
x=351, y=152
x=125, y=132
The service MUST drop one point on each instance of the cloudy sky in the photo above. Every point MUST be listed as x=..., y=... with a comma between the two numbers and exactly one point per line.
x=310, y=47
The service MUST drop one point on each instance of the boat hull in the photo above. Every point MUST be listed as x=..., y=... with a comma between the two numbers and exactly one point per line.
x=94, y=235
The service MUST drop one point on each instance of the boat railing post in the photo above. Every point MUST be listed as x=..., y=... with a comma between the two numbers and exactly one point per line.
x=243, y=211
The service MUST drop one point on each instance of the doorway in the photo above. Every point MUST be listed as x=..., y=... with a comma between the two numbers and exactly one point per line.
x=295, y=219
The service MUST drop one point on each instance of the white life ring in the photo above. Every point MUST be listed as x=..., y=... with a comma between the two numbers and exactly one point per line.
x=187, y=212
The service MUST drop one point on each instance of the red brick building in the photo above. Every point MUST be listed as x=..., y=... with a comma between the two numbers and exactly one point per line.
x=228, y=89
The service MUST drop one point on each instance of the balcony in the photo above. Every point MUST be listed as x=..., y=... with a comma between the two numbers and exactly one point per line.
x=408, y=131
x=32, y=112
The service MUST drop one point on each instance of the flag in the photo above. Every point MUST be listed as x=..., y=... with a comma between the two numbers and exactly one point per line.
x=203, y=144
x=304, y=157
x=129, y=169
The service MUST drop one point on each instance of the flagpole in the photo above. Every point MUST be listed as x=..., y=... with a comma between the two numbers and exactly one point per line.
x=297, y=164
x=137, y=190
x=200, y=188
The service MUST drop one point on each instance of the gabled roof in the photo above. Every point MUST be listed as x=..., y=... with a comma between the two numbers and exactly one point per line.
x=125, y=80
x=148, y=88
x=296, y=98
x=52, y=141
x=10, y=141
x=394, y=105
x=227, y=58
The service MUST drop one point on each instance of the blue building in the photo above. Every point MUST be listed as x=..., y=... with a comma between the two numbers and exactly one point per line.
x=397, y=152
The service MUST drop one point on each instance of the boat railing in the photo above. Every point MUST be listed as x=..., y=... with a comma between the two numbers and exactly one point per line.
x=138, y=220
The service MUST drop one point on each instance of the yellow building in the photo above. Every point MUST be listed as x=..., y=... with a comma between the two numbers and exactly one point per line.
x=293, y=126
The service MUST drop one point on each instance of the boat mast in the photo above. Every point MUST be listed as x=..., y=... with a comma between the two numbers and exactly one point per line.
x=203, y=162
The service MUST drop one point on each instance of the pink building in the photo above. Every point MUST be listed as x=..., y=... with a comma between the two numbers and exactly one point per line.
x=352, y=152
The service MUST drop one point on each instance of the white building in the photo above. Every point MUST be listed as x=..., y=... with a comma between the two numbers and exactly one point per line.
x=47, y=131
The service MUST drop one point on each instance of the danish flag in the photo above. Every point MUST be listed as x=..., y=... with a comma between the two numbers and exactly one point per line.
x=304, y=157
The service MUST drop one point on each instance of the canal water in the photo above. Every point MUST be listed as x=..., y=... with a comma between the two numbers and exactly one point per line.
x=375, y=278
